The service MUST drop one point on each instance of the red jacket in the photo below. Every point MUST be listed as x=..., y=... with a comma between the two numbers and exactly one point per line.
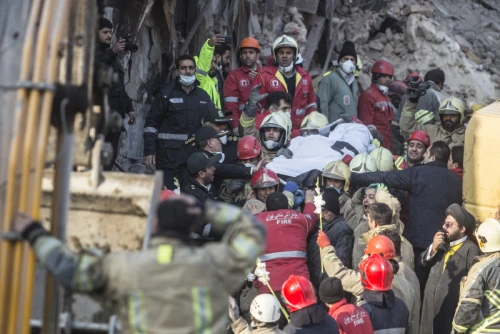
x=287, y=231
x=377, y=109
x=304, y=101
x=236, y=90
x=350, y=318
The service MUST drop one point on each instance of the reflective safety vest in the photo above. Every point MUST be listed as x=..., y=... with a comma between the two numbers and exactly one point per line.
x=400, y=162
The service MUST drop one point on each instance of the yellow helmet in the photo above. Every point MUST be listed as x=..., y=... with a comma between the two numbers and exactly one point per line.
x=312, y=123
x=453, y=106
x=285, y=42
x=488, y=235
x=476, y=106
x=363, y=163
x=337, y=170
x=383, y=158
x=279, y=120
x=359, y=67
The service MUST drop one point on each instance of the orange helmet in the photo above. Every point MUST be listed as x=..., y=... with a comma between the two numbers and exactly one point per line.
x=248, y=148
x=249, y=42
x=381, y=244
x=298, y=293
x=376, y=273
x=383, y=67
x=264, y=178
x=420, y=136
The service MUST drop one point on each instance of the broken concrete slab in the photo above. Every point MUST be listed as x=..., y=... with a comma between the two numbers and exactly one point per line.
x=377, y=46
x=464, y=44
x=388, y=33
x=472, y=56
x=418, y=9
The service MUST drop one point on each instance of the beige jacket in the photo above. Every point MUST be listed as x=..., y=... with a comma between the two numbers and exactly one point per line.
x=250, y=130
x=240, y=326
x=408, y=124
x=345, y=204
x=404, y=290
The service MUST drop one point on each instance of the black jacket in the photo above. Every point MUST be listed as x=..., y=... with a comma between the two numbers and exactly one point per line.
x=388, y=313
x=432, y=189
x=118, y=97
x=443, y=287
x=202, y=193
x=174, y=117
x=342, y=239
x=311, y=320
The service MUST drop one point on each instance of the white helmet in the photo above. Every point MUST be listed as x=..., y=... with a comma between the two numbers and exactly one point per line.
x=281, y=121
x=284, y=41
x=384, y=159
x=488, y=236
x=265, y=308
x=363, y=163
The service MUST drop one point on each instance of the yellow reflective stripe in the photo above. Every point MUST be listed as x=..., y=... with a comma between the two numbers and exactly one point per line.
x=164, y=254
x=327, y=72
x=399, y=161
x=202, y=309
x=245, y=246
x=458, y=328
x=280, y=77
x=298, y=77
x=247, y=124
x=493, y=298
x=408, y=114
x=136, y=312
x=82, y=277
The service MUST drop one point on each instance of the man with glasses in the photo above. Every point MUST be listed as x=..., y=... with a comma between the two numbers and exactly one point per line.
x=374, y=105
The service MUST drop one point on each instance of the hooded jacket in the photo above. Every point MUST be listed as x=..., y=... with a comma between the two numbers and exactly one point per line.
x=337, y=97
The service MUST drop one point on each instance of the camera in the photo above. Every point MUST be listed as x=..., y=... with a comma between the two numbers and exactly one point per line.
x=129, y=45
x=417, y=88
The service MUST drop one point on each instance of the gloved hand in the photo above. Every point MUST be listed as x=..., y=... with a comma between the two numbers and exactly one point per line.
x=323, y=240
x=346, y=118
x=379, y=186
x=375, y=133
x=235, y=185
x=298, y=198
x=233, y=309
x=291, y=187
x=284, y=152
x=253, y=99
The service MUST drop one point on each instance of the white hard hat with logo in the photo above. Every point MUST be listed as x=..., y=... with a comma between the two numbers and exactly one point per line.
x=265, y=308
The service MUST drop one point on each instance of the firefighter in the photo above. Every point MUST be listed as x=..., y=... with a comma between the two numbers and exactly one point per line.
x=264, y=313
x=264, y=182
x=418, y=142
x=363, y=163
x=374, y=105
x=239, y=81
x=312, y=123
x=478, y=309
x=286, y=76
x=306, y=315
x=383, y=158
x=169, y=286
x=336, y=175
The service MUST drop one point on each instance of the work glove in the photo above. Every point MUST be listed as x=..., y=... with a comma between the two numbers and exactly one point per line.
x=346, y=118
x=379, y=186
x=291, y=187
x=233, y=309
x=235, y=185
x=323, y=240
x=298, y=199
x=284, y=152
x=375, y=133
x=253, y=99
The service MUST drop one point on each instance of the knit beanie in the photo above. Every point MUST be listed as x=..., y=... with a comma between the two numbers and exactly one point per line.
x=331, y=290
x=348, y=50
x=331, y=198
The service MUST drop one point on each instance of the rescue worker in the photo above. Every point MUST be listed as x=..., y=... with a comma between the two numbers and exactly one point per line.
x=450, y=130
x=383, y=158
x=206, y=69
x=118, y=98
x=286, y=247
x=397, y=89
x=153, y=281
x=236, y=191
x=239, y=81
x=387, y=312
x=173, y=118
x=340, y=235
x=449, y=258
x=336, y=175
x=306, y=315
x=418, y=142
x=374, y=105
x=478, y=309
x=456, y=160
x=362, y=163
x=201, y=176
x=350, y=318
x=312, y=123
x=264, y=183
x=264, y=312
x=338, y=91
x=432, y=188
x=275, y=101
x=285, y=75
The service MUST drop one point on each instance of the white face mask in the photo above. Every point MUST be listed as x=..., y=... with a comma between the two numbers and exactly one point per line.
x=347, y=66
x=287, y=68
x=383, y=89
x=270, y=144
x=223, y=140
x=187, y=80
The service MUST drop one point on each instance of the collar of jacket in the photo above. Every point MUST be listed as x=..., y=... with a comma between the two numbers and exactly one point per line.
x=383, y=299
x=486, y=256
x=181, y=88
x=337, y=305
x=199, y=185
x=248, y=69
x=376, y=231
x=436, y=164
x=273, y=69
x=333, y=222
x=308, y=316
x=168, y=237
x=103, y=46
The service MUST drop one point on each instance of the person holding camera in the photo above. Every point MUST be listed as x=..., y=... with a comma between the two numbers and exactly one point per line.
x=118, y=99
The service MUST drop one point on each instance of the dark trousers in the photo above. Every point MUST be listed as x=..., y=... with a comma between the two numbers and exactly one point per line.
x=421, y=272
x=168, y=179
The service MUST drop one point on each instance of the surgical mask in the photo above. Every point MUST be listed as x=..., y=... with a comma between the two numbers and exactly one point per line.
x=270, y=144
x=223, y=140
x=383, y=89
x=347, y=66
x=287, y=68
x=187, y=80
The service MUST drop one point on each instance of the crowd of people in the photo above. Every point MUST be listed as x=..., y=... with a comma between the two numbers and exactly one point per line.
x=374, y=241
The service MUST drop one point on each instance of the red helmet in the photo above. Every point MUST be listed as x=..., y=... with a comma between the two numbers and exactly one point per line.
x=248, y=148
x=376, y=273
x=249, y=42
x=398, y=87
x=298, y=293
x=421, y=136
x=264, y=178
x=381, y=244
x=383, y=67
x=413, y=77
x=166, y=194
